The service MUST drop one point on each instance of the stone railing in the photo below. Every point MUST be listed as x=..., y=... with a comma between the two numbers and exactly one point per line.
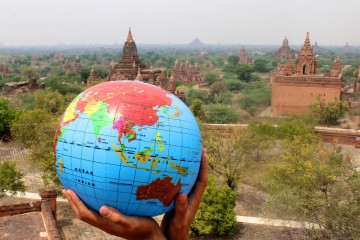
x=47, y=207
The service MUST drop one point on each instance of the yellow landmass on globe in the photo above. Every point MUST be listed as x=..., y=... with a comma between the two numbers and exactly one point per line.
x=61, y=166
x=92, y=107
x=175, y=114
x=181, y=170
x=125, y=160
x=159, y=142
x=70, y=113
x=142, y=157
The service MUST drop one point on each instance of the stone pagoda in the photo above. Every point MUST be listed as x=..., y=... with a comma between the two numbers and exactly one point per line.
x=130, y=67
x=186, y=72
x=92, y=77
x=284, y=50
x=295, y=88
x=243, y=58
x=5, y=70
x=68, y=68
x=77, y=65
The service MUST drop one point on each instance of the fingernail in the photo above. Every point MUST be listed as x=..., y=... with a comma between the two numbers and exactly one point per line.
x=104, y=211
x=181, y=199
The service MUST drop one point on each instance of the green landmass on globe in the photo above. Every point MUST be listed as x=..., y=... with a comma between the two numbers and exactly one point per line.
x=130, y=145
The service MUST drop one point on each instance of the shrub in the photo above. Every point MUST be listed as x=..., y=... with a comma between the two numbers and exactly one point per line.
x=10, y=179
x=216, y=215
x=234, y=85
x=218, y=113
x=7, y=114
x=329, y=112
x=193, y=94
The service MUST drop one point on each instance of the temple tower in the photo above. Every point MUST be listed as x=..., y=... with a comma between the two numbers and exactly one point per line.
x=294, y=90
x=284, y=50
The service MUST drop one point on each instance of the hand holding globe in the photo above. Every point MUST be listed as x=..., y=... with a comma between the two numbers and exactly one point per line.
x=175, y=224
x=130, y=146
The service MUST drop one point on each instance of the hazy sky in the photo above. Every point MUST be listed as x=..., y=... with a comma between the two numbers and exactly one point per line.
x=47, y=22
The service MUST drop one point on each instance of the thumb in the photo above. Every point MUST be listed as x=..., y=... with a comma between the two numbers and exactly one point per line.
x=113, y=215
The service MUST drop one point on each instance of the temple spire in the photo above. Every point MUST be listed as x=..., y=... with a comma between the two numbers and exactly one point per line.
x=129, y=37
x=307, y=40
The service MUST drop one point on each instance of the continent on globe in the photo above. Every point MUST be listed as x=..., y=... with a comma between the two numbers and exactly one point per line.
x=162, y=189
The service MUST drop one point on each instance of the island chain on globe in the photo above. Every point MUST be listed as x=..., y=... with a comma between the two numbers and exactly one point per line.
x=129, y=145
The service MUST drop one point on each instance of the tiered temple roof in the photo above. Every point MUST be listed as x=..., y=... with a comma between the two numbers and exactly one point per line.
x=186, y=72
x=92, y=77
x=130, y=67
x=76, y=67
x=129, y=63
x=285, y=50
x=243, y=58
x=5, y=70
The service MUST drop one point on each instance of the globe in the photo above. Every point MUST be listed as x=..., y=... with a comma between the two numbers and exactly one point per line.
x=129, y=145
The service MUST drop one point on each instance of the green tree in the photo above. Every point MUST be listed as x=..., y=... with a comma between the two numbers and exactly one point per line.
x=216, y=88
x=329, y=112
x=197, y=109
x=262, y=136
x=7, y=115
x=35, y=130
x=260, y=65
x=193, y=94
x=210, y=78
x=51, y=102
x=254, y=95
x=84, y=73
x=234, y=85
x=218, y=113
x=244, y=72
x=216, y=215
x=229, y=154
x=10, y=179
x=293, y=126
x=223, y=98
x=314, y=184
x=233, y=60
x=29, y=72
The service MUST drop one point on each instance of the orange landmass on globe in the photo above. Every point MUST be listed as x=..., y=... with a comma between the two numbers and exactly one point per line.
x=162, y=189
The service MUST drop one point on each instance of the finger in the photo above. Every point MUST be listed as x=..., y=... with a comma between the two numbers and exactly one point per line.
x=200, y=185
x=72, y=205
x=114, y=215
x=83, y=213
x=181, y=207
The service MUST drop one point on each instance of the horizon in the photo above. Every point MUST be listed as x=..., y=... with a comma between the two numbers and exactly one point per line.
x=230, y=22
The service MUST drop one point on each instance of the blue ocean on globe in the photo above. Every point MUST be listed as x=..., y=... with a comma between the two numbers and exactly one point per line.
x=129, y=145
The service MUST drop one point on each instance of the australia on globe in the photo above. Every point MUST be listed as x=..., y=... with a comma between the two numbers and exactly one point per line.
x=129, y=145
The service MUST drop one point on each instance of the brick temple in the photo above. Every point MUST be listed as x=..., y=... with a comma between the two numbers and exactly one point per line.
x=186, y=72
x=243, y=57
x=5, y=70
x=130, y=67
x=75, y=67
x=285, y=50
x=294, y=89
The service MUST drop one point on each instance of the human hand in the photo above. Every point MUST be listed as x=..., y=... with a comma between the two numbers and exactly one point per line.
x=113, y=222
x=176, y=223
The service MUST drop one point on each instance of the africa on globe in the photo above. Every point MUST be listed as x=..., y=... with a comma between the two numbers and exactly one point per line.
x=129, y=145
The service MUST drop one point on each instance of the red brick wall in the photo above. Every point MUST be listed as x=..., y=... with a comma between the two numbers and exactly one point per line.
x=290, y=98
